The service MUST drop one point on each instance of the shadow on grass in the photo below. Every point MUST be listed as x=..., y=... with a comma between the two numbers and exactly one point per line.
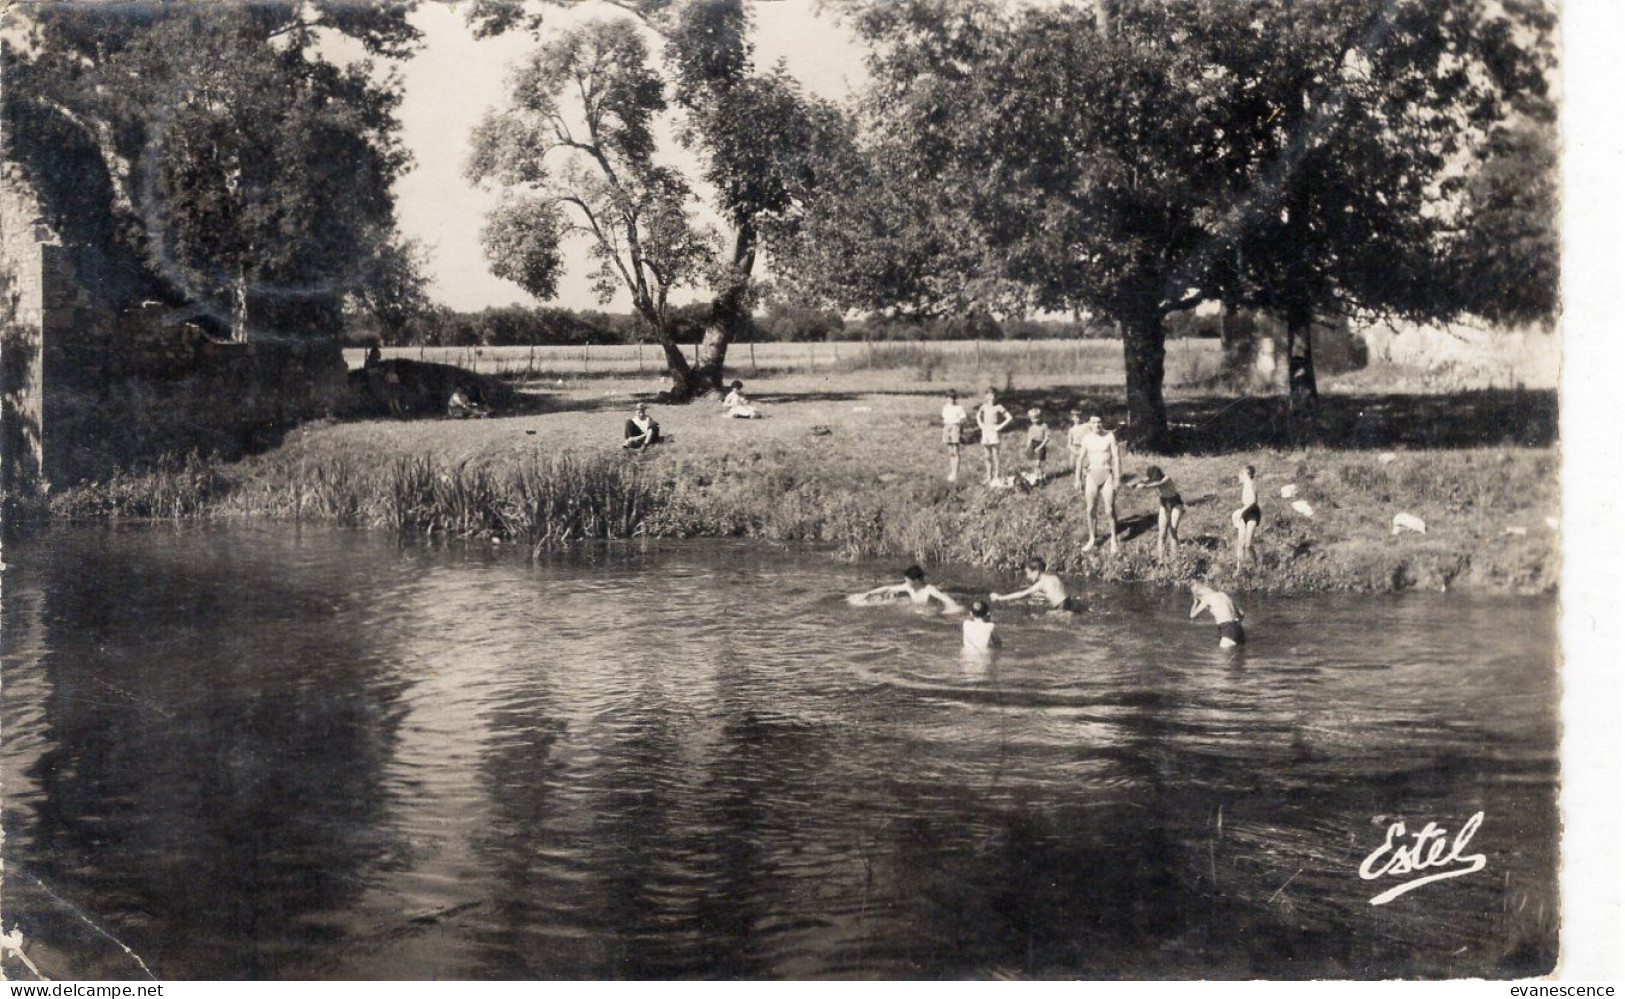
x=1222, y=424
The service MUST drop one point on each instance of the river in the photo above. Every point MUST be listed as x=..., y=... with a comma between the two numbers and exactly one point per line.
x=268, y=751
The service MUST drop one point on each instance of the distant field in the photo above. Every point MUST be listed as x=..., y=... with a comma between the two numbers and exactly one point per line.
x=1091, y=361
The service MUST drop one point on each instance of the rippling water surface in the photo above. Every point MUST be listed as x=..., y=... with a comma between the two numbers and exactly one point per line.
x=255, y=751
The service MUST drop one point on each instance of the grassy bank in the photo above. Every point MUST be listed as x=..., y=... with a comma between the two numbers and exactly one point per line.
x=861, y=471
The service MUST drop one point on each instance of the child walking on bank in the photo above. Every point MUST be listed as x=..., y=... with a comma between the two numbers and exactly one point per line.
x=954, y=419
x=1246, y=517
x=1170, y=507
x=992, y=419
x=1037, y=444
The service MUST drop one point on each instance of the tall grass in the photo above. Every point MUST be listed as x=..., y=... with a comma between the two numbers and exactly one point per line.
x=857, y=510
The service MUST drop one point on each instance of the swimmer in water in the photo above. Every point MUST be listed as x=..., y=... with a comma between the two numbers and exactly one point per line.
x=914, y=587
x=978, y=628
x=1044, y=586
x=1246, y=517
x=1225, y=613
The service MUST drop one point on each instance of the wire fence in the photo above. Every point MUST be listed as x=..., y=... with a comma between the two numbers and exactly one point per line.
x=925, y=358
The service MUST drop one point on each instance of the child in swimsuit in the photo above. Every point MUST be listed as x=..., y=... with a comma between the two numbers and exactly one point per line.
x=1224, y=611
x=1171, y=507
x=1043, y=586
x=1247, y=516
x=992, y=419
x=1037, y=443
x=914, y=588
x=954, y=418
x=978, y=628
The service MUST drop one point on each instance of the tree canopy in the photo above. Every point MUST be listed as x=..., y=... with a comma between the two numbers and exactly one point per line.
x=759, y=138
x=1135, y=157
x=208, y=153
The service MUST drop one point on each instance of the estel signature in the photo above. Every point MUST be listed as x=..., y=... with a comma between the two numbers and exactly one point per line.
x=1431, y=847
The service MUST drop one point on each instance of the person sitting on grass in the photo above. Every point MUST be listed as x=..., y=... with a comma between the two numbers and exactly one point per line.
x=642, y=432
x=978, y=628
x=1098, y=473
x=1247, y=516
x=738, y=405
x=991, y=419
x=1171, y=507
x=1043, y=586
x=954, y=418
x=913, y=587
x=1225, y=613
x=1037, y=444
x=460, y=406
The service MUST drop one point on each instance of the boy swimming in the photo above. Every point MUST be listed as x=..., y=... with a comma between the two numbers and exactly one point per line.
x=1043, y=585
x=1170, y=506
x=914, y=587
x=978, y=628
x=1247, y=516
x=1224, y=611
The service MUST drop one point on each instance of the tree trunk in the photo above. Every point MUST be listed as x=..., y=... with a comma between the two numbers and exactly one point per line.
x=730, y=318
x=684, y=385
x=239, y=307
x=1303, y=398
x=1142, y=367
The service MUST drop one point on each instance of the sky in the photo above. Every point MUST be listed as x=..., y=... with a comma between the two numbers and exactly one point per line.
x=454, y=79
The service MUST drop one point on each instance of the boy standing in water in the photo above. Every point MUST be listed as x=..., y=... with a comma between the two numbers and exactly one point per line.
x=914, y=587
x=1037, y=443
x=1247, y=516
x=978, y=628
x=954, y=418
x=1044, y=585
x=1171, y=507
x=991, y=419
x=1224, y=612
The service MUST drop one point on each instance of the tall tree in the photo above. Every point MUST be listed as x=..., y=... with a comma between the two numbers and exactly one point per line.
x=196, y=152
x=1134, y=157
x=761, y=142
x=574, y=150
x=1350, y=133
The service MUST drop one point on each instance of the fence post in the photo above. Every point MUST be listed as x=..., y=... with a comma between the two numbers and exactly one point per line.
x=978, y=355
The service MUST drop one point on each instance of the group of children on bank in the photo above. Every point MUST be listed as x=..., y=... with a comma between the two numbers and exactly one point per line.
x=1044, y=590
x=1096, y=462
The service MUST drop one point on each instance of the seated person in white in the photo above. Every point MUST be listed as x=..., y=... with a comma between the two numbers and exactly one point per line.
x=460, y=406
x=738, y=405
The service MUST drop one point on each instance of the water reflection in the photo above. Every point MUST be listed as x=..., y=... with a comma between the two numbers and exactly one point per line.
x=256, y=752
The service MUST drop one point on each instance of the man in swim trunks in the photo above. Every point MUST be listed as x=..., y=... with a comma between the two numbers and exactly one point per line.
x=1171, y=506
x=992, y=419
x=1098, y=474
x=914, y=588
x=1044, y=586
x=1247, y=516
x=1224, y=611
